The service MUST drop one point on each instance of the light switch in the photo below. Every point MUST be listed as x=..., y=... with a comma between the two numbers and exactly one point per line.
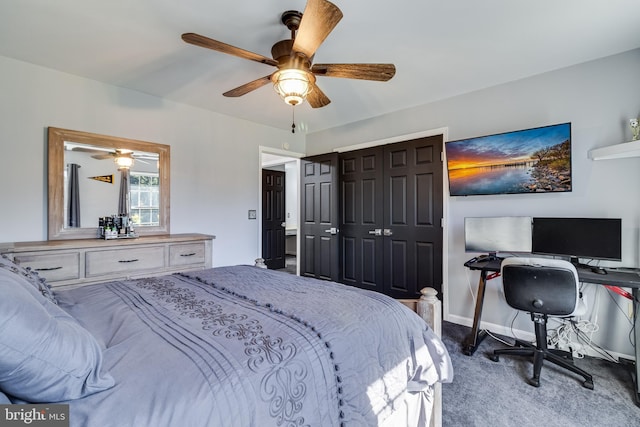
x=252, y=214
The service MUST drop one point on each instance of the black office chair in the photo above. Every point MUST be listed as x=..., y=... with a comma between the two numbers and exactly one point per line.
x=542, y=287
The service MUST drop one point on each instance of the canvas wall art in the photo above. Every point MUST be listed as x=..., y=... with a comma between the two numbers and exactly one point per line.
x=536, y=160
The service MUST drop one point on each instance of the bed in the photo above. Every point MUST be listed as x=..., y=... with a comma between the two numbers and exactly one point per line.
x=228, y=346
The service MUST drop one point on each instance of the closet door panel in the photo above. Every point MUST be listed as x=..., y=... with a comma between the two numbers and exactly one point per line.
x=320, y=243
x=413, y=188
x=424, y=203
x=369, y=266
x=361, y=201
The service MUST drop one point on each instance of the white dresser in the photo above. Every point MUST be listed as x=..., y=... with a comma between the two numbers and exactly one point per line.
x=77, y=262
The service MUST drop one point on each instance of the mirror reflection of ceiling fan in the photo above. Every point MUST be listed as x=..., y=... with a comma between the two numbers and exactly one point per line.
x=124, y=158
x=295, y=79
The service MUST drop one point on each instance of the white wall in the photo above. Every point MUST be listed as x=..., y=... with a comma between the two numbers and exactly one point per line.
x=598, y=98
x=291, y=193
x=214, y=158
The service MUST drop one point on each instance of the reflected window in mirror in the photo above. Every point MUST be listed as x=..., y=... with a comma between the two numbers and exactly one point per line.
x=145, y=198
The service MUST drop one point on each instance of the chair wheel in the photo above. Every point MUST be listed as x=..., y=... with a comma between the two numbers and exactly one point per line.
x=588, y=384
x=494, y=357
x=534, y=382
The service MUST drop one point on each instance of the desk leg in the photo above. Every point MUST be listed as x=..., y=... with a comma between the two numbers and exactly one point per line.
x=473, y=340
x=636, y=332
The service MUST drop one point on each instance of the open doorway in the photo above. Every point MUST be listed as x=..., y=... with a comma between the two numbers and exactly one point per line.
x=288, y=164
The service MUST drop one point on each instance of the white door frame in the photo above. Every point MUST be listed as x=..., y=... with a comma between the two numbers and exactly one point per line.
x=282, y=153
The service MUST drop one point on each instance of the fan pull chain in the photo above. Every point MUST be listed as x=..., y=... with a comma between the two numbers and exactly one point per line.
x=293, y=116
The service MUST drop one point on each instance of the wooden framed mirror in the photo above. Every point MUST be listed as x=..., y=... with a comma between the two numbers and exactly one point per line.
x=98, y=175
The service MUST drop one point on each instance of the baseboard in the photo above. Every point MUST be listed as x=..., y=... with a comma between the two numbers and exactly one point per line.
x=493, y=327
x=524, y=335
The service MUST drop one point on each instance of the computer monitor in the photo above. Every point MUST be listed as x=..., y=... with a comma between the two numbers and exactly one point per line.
x=511, y=234
x=593, y=238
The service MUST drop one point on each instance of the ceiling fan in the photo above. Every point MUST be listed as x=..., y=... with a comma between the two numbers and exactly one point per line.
x=295, y=79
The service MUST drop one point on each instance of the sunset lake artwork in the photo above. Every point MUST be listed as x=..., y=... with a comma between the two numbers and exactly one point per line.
x=534, y=160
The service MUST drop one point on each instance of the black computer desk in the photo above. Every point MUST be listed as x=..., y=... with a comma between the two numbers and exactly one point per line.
x=614, y=277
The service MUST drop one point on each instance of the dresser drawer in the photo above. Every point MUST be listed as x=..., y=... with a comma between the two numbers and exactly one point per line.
x=129, y=260
x=54, y=267
x=186, y=254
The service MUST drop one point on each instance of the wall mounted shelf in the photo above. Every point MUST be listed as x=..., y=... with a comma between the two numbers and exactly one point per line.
x=618, y=151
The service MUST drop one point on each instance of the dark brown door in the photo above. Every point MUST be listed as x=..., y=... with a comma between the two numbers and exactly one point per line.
x=273, y=218
x=319, y=256
x=391, y=203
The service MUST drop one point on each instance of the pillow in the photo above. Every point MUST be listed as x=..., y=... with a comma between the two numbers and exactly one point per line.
x=4, y=400
x=45, y=354
x=31, y=276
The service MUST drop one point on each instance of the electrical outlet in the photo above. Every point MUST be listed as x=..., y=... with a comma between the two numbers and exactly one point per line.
x=252, y=214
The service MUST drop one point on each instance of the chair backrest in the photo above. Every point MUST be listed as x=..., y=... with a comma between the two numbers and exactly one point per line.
x=541, y=285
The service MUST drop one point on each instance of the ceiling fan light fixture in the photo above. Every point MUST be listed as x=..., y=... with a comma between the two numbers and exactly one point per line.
x=293, y=85
x=124, y=162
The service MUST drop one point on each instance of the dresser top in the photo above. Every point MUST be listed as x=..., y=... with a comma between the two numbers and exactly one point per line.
x=48, y=245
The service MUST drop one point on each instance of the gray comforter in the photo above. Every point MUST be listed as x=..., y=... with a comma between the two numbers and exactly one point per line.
x=242, y=346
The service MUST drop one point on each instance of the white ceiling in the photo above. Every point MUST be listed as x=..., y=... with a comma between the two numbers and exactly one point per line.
x=441, y=48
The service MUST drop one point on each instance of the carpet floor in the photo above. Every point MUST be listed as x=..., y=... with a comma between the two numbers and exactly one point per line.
x=487, y=393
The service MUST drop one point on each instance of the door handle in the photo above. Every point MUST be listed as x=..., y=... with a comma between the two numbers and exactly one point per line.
x=376, y=232
x=387, y=232
x=332, y=230
x=283, y=224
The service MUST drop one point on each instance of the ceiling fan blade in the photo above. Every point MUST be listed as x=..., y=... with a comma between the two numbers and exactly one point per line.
x=316, y=98
x=318, y=19
x=376, y=72
x=103, y=156
x=145, y=156
x=202, y=41
x=86, y=150
x=248, y=87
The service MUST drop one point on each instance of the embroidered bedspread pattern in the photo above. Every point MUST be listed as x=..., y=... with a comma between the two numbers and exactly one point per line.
x=255, y=367
x=379, y=348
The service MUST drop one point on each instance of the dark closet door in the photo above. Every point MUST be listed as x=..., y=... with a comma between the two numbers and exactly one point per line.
x=362, y=219
x=391, y=205
x=319, y=228
x=412, y=231
x=273, y=218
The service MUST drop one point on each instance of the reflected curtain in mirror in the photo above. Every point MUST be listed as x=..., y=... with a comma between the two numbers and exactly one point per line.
x=124, y=199
x=73, y=208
